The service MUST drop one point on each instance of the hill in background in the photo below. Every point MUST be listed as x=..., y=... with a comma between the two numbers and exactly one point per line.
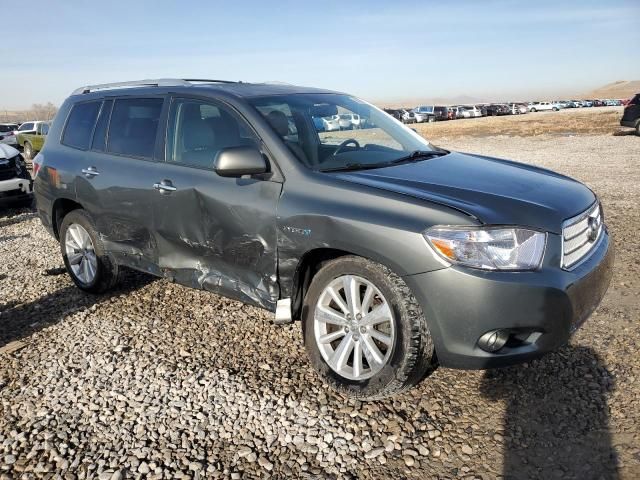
x=619, y=89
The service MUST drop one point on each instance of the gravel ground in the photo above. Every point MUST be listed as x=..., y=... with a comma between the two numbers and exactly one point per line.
x=159, y=381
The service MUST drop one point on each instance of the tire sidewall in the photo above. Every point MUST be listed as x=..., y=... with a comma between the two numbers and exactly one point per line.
x=81, y=218
x=398, y=358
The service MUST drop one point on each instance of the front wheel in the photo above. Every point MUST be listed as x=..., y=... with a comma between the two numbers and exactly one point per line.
x=364, y=331
x=84, y=255
x=28, y=151
x=555, y=109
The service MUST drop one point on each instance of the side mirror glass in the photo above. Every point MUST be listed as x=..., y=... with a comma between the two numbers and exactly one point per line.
x=239, y=161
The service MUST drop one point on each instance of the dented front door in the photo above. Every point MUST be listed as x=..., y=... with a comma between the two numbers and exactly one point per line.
x=213, y=232
x=218, y=233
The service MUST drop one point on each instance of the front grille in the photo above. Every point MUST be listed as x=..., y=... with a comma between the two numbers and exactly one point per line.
x=580, y=235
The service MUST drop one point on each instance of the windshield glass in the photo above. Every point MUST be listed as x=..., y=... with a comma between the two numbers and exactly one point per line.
x=329, y=131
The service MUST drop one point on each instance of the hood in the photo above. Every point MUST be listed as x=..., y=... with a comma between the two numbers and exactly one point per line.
x=495, y=191
x=7, y=152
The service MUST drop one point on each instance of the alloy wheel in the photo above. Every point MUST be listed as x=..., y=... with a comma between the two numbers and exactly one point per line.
x=81, y=254
x=354, y=327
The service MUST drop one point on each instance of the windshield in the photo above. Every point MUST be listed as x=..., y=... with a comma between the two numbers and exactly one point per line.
x=365, y=135
x=7, y=128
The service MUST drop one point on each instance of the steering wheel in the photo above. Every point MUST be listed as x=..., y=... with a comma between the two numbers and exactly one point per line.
x=344, y=144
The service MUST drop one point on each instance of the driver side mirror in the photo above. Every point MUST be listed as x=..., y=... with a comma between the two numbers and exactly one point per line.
x=239, y=161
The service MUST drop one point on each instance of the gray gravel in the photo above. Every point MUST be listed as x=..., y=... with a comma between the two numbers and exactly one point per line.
x=159, y=381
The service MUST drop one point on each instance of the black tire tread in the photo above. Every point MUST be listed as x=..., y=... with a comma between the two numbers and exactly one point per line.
x=108, y=271
x=419, y=360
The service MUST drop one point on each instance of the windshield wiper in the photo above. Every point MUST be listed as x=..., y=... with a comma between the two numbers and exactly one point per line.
x=414, y=156
x=353, y=166
x=419, y=155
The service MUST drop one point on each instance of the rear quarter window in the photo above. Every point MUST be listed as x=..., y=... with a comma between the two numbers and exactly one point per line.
x=79, y=128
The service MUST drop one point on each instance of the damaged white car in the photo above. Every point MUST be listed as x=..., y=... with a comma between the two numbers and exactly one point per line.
x=15, y=180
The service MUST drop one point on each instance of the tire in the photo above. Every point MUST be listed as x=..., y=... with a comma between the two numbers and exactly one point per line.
x=28, y=151
x=431, y=119
x=638, y=128
x=555, y=109
x=410, y=353
x=106, y=270
x=533, y=110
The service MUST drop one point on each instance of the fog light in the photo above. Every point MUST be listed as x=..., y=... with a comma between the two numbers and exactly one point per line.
x=494, y=340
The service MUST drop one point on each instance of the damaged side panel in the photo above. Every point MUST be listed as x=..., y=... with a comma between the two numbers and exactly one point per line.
x=219, y=234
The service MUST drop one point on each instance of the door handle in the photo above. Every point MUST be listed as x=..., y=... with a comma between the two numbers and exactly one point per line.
x=90, y=172
x=165, y=186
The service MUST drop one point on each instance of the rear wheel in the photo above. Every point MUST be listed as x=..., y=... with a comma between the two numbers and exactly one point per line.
x=83, y=253
x=28, y=151
x=364, y=331
x=555, y=109
x=638, y=128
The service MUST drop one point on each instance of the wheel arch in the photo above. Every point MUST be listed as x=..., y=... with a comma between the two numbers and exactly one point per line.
x=61, y=207
x=308, y=266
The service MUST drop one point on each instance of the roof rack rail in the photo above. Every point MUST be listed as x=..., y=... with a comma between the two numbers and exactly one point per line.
x=159, y=82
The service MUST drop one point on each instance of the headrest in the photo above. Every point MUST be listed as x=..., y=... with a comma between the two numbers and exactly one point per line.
x=278, y=120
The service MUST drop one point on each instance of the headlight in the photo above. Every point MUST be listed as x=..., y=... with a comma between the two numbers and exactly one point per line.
x=489, y=248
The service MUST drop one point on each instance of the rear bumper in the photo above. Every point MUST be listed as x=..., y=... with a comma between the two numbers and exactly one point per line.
x=542, y=308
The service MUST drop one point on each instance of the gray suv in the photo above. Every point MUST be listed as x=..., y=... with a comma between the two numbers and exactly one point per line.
x=396, y=255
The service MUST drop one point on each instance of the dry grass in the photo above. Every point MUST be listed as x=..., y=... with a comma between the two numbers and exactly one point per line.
x=583, y=121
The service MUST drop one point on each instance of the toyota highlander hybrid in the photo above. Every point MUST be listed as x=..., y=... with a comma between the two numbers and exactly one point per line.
x=397, y=256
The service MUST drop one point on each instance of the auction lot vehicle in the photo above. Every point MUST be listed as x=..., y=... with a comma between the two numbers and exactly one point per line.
x=631, y=115
x=7, y=133
x=32, y=138
x=542, y=106
x=431, y=113
x=396, y=255
x=15, y=181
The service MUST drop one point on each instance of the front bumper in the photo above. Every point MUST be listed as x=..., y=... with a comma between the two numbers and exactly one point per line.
x=15, y=190
x=544, y=307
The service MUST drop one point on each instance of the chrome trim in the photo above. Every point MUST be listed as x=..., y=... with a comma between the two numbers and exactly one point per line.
x=575, y=237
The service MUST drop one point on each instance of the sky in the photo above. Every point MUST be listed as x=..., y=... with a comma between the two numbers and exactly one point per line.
x=383, y=51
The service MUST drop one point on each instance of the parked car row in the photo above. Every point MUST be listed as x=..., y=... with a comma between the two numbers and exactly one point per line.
x=29, y=136
x=434, y=113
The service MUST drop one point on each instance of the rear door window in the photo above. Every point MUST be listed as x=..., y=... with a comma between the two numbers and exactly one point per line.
x=134, y=126
x=82, y=119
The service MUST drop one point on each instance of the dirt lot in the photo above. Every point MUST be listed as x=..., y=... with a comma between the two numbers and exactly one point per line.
x=159, y=381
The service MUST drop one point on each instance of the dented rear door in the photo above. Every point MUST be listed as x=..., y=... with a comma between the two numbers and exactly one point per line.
x=214, y=233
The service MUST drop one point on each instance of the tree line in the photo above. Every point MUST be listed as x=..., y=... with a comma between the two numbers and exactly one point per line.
x=38, y=111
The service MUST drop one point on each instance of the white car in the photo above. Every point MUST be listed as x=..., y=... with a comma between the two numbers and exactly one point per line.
x=471, y=112
x=331, y=124
x=15, y=181
x=8, y=133
x=419, y=116
x=349, y=121
x=543, y=106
